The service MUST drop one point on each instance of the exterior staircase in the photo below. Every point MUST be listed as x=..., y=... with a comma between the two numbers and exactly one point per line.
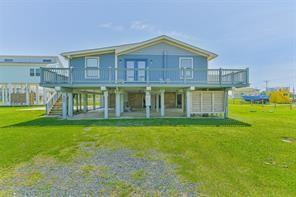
x=54, y=105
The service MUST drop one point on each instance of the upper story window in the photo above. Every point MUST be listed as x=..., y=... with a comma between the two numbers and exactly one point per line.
x=8, y=60
x=37, y=72
x=47, y=60
x=32, y=72
x=186, y=66
x=92, y=67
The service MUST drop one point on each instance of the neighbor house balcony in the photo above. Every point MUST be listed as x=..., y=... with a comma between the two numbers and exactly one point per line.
x=94, y=77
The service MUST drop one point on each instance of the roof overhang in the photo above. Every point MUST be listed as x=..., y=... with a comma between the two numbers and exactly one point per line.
x=128, y=48
x=168, y=40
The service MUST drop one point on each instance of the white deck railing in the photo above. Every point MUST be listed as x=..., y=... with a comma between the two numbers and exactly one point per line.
x=51, y=101
x=56, y=76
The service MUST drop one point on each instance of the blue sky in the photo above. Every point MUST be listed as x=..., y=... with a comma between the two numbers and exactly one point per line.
x=257, y=34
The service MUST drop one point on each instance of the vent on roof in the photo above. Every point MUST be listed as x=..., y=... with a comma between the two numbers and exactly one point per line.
x=8, y=60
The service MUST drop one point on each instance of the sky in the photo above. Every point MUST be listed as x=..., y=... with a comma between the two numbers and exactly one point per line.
x=259, y=34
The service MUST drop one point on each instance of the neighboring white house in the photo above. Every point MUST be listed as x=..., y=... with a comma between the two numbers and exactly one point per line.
x=238, y=93
x=20, y=78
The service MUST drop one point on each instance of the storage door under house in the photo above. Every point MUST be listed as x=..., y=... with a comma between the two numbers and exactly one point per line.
x=207, y=102
x=136, y=100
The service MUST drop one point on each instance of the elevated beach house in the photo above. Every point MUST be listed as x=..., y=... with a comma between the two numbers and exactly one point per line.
x=20, y=78
x=160, y=77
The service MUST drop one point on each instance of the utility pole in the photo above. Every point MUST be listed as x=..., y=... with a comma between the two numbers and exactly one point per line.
x=266, y=85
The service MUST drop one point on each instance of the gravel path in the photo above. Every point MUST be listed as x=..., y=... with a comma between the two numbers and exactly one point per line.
x=99, y=172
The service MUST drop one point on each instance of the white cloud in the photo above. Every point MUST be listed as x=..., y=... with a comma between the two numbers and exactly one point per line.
x=111, y=26
x=152, y=29
x=142, y=26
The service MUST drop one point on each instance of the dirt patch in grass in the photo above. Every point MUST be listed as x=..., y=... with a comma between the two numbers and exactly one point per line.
x=102, y=171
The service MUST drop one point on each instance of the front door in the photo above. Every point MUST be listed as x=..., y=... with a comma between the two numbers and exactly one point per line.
x=135, y=70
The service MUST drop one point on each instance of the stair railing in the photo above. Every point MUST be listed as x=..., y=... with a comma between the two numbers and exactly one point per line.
x=51, y=101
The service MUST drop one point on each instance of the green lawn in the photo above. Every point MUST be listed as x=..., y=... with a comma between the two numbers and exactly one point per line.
x=244, y=155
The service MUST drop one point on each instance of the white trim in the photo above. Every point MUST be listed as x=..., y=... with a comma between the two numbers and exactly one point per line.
x=85, y=66
x=180, y=66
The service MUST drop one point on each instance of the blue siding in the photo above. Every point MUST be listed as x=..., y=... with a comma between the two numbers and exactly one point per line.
x=158, y=56
x=166, y=61
x=106, y=61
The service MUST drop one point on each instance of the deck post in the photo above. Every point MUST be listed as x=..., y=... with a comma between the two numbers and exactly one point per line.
x=148, y=103
x=37, y=94
x=44, y=95
x=9, y=93
x=226, y=103
x=2, y=92
x=94, y=101
x=27, y=94
x=121, y=102
x=188, y=103
x=117, y=103
x=106, y=107
x=64, y=105
x=157, y=102
x=162, y=107
x=85, y=104
x=6, y=95
x=183, y=102
x=70, y=104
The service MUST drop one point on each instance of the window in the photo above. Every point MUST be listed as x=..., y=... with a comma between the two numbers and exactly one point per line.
x=32, y=72
x=8, y=60
x=37, y=72
x=46, y=60
x=92, y=67
x=186, y=66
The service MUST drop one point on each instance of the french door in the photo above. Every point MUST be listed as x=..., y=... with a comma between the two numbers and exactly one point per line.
x=135, y=70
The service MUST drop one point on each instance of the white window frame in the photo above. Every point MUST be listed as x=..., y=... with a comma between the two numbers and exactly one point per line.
x=180, y=66
x=85, y=66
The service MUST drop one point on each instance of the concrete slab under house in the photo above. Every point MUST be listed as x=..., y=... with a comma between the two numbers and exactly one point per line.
x=160, y=77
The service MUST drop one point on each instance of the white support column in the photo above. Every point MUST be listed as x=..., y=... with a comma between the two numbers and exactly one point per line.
x=157, y=102
x=64, y=105
x=37, y=94
x=27, y=94
x=5, y=95
x=117, y=103
x=94, y=101
x=148, y=103
x=9, y=94
x=44, y=95
x=183, y=102
x=121, y=102
x=188, y=103
x=85, y=103
x=106, y=107
x=162, y=107
x=225, y=103
x=2, y=94
x=70, y=105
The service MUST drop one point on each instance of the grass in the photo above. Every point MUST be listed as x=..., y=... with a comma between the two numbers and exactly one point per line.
x=245, y=155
